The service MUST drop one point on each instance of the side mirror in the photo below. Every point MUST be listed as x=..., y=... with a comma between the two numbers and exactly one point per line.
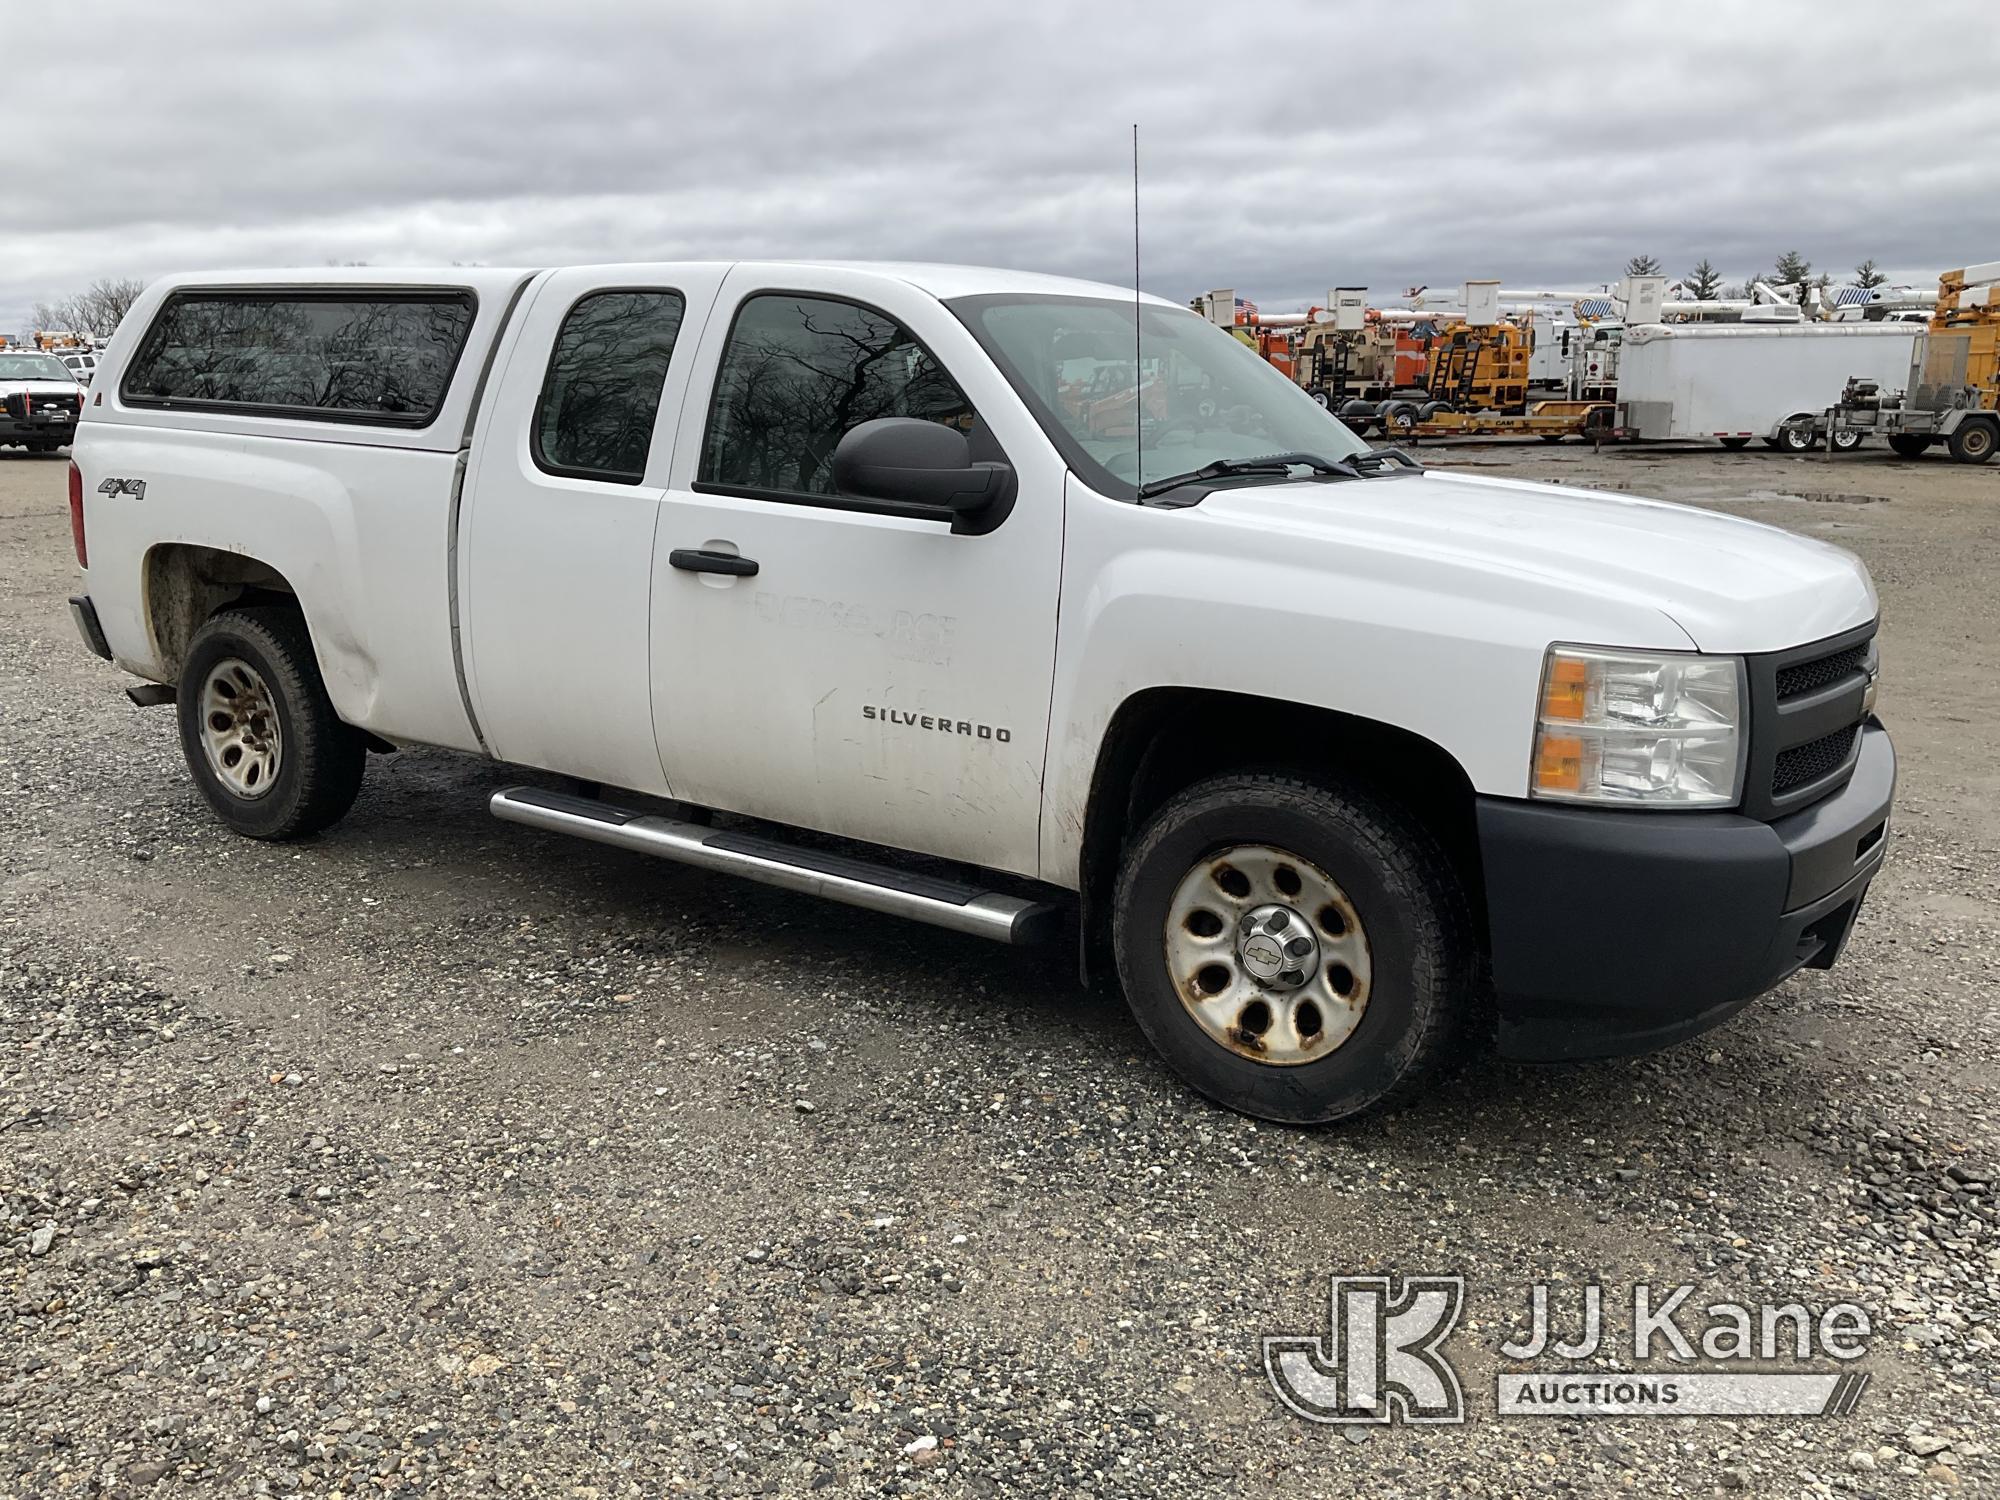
x=908, y=461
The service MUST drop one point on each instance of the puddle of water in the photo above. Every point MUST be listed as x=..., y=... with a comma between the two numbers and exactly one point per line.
x=1809, y=497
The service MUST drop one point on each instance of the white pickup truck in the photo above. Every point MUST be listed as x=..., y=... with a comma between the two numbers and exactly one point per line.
x=40, y=397
x=1006, y=603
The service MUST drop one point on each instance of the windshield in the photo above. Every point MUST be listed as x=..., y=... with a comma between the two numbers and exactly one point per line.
x=1200, y=394
x=33, y=367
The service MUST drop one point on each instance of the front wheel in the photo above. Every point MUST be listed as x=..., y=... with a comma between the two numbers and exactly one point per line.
x=1295, y=951
x=1845, y=440
x=1909, y=444
x=1794, y=438
x=258, y=732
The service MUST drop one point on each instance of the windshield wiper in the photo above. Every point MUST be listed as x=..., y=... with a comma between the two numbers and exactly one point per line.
x=1268, y=463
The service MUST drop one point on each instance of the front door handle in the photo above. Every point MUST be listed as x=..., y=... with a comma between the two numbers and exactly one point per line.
x=701, y=560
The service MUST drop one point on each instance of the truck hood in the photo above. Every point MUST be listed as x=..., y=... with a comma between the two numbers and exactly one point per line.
x=40, y=387
x=1730, y=585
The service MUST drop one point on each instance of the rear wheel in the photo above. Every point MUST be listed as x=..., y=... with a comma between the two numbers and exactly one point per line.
x=1909, y=444
x=1794, y=438
x=1736, y=445
x=1295, y=951
x=1972, y=443
x=1845, y=440
x=258, y=731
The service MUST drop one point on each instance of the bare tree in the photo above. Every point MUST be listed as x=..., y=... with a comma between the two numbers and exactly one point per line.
x=95, y=312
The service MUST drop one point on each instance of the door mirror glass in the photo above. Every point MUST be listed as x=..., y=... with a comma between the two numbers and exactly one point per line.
x=908, y=461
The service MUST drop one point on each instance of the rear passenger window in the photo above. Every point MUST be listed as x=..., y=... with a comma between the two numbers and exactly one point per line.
x=603, y=387
x=383, y=358
x=797, y=374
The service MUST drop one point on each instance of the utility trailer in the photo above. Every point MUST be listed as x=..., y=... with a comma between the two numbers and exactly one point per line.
x=1951, y=393
x=1551, y=421
x=1736, y=382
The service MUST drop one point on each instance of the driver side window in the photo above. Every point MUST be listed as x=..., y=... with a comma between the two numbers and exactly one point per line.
x=797, y=374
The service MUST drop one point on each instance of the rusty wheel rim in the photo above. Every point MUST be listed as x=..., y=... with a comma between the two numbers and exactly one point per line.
x=240, y=732
x=1268, y=954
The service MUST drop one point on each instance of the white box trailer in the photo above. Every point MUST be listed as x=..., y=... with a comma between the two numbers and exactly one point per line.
x=1747, y=380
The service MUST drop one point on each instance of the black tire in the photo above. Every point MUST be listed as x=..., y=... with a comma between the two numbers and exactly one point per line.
x=1736, y=445
x=1909, y=444
x=1846, y=440
x=1973, y=443
x=1550, y=437
x=1409, y=907
x=1399, y=418
x=319, y=768
x=1797, y=439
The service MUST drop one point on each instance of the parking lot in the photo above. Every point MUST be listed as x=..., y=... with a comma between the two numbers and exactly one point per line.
x=436, y=1155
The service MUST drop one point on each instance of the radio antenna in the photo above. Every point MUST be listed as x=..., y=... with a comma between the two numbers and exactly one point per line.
x=1138, y=378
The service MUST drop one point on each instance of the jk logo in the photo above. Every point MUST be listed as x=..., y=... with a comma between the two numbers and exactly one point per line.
x=1378, y=1358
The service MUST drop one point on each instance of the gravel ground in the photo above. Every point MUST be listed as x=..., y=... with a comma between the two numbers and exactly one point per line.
x=437, y=1156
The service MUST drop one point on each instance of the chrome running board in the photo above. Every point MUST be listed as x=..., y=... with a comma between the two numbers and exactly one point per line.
x=812, y=872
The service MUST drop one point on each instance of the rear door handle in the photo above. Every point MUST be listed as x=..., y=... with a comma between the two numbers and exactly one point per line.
x=701, y=560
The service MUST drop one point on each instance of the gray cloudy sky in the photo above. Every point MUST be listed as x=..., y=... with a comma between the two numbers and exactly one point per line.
x=1288, y=145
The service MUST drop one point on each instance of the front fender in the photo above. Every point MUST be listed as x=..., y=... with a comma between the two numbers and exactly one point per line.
x=1167, y=599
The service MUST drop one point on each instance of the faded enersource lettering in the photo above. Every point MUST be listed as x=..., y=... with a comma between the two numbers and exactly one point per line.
x=907, y=636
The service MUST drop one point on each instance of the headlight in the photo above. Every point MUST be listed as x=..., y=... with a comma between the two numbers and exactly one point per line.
x=1646, y=730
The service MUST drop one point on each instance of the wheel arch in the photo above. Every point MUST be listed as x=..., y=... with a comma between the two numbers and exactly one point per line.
x=186, y=584
x=1164, y=739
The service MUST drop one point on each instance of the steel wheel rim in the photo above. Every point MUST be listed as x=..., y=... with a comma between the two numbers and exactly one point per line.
x=1222, y=924
x=241, y=733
